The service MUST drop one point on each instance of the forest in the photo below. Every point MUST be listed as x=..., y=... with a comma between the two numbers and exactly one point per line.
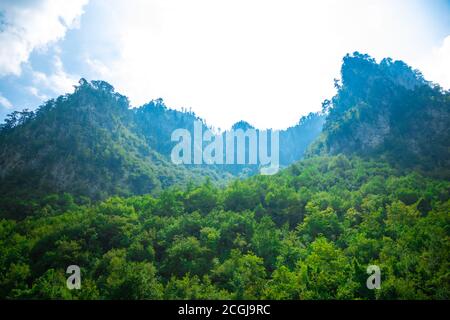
x=86, y=181
x=307, y=233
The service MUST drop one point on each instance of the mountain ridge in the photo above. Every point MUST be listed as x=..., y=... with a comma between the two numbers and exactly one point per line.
x=92, y=143
x=387, y=110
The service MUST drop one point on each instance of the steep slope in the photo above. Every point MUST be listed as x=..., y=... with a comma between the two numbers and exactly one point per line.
x=388, y=110
x=295, y=140
x=85, y=143
x=156, y=122
x=91, y=143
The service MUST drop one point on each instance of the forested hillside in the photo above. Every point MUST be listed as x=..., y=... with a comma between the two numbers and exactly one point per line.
x=91, y=143
x=307, y=233
x=86, y=143
x=389, y=111
x=374, y=190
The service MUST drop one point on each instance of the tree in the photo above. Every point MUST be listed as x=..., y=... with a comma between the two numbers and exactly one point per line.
x=242, y=274
x=325, y=273
x=187, y=255
x=121, y=279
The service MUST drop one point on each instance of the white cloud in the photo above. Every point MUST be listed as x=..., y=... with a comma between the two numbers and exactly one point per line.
x=98, y=67
x=5, y=102
x=264, y=61
x=29, y=25
x=35, y=92
x=436, y=66
x=57, y=82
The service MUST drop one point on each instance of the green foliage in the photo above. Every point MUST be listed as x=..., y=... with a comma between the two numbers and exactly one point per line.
x=308, y=232
x=242, y=274
x=89, y=143
x=93, y=144
x=121, y=279
x=87, y=181
x=388, y=111
x=186, y=255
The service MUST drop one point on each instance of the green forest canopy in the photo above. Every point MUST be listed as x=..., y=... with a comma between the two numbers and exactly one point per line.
x=308, y=232
x=374, y=191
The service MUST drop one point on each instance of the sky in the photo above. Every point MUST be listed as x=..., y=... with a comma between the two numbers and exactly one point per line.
x=267, y=62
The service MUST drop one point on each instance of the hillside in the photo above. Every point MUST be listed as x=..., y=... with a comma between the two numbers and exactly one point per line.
x=91, y=143
x=308, y=232
x=389, y=111
x=86, y=143
x=374, y=191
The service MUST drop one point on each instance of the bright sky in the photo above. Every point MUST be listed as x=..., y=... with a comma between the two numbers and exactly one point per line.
x=264, y=61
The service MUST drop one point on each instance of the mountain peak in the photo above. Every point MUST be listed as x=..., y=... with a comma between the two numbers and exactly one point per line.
x=387, y=110
x=96, y=95
x=244, y=125
x=360, y=71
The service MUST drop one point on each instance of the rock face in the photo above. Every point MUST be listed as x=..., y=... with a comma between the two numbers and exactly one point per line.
x=388, y=110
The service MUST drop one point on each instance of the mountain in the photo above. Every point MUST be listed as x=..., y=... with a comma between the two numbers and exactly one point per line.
x=311, y=231
x=156, y=123
x=295, y=140
x=87, y=143
x=388, y=110
x=91, y=143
